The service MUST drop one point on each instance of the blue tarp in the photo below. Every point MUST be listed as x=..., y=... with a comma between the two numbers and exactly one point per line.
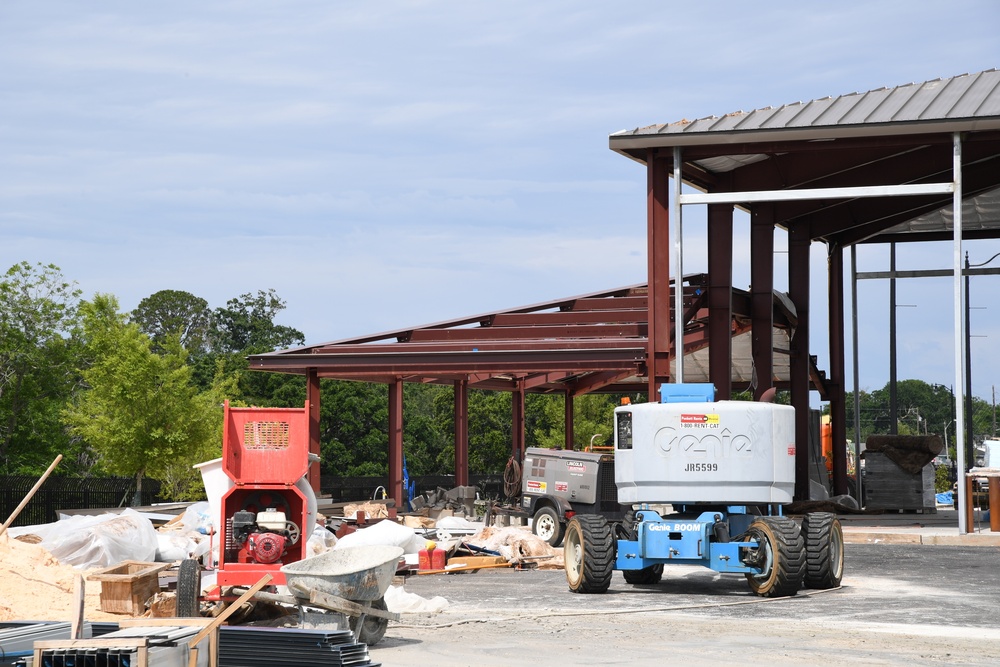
x=944, y=498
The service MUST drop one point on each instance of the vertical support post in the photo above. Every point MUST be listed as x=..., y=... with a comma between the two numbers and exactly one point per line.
x=461, y=432
x=720, y=299
x=857, y=381
x=893, y=402
x=568, y=421
x=658, y=268
x=517, y=421
x=838, y=377
x=798, y=291
x=761, y=296
x=678, y=234
x=960, y=330
x=395, y=485
x=312, y=396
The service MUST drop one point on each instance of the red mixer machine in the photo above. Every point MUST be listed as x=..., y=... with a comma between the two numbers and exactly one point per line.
x=268, y=512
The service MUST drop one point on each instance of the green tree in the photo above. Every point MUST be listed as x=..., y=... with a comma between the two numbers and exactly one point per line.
x=175, y=313
x=39, y=354
x=139, y=412
x=243, y=327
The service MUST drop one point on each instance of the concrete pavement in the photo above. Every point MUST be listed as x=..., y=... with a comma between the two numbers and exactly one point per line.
x=939, y=528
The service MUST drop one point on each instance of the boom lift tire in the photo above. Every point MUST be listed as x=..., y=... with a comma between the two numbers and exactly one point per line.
x=589, y=554
x=188, y=589
x=780, y=555
x=824, y=540
x=546, y=525
x=372, y=628
x=647, y=575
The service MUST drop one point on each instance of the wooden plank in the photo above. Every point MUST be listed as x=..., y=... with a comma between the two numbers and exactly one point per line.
x=334, y=603
x=469, y=561
x=470, y=568
x=31, y=493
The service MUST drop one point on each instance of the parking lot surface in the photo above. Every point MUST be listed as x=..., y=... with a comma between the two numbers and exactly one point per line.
x=900, y=604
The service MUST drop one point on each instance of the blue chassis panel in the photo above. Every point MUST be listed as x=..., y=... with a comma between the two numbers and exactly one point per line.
x=686, y=541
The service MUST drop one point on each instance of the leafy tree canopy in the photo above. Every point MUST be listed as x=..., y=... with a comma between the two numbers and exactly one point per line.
x=38, y=359
x=140, y=413
x=175, y=313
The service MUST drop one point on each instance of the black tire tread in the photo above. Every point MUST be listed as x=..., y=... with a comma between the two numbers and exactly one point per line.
x=598, y=553
x=373, y=628
x=188, y=589
x=647, y=575
x=789, y=556
x=824, y=550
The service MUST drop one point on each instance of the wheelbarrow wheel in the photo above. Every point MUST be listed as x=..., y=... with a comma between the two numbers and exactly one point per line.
x=372, y=628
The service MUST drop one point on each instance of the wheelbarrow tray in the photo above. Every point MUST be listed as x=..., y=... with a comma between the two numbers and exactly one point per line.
x=361, y=573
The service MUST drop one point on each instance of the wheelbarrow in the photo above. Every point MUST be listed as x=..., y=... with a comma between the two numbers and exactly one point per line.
x=352, y=581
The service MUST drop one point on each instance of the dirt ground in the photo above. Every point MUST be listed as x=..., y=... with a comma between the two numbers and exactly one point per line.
x=899, y=605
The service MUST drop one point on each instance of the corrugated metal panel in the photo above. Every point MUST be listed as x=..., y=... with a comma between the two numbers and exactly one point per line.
x=965, y=96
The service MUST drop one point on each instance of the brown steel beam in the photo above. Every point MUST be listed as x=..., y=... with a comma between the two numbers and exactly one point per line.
x=613, y=303
x=313, y=400
x=517, y=422
x=838, y=379
x=429, y=347
x=570, y=317
x=461, y=432
x=658, y=269
x=568, y=421
x=798, y=292
x=396, y=491
x=596, y=381
x=720, y=298
x=762, y=296
x=630, y=330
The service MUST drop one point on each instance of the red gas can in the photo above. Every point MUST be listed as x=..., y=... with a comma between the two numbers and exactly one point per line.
x=431, y=558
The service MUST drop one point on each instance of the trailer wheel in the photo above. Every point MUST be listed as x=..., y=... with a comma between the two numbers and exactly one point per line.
x=546, y=525
x=589, y=554
x=188, y=589
x=824, y=540
x=373, y=628
x=779, y=555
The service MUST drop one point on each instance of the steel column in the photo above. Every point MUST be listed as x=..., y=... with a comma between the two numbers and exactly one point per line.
x=798, y=291
x=312, y=396
x=720, y=299
x=838, y=377
x=761, y=296
x=395, y=484
x=517, y=421
x=568, y=420
x=462, y=432
x=658, y=268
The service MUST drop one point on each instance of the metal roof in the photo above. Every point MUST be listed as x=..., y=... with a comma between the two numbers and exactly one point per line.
x=889, y=136
x=959, y=98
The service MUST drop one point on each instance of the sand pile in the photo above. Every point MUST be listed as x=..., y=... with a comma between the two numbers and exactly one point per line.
x=34, y=586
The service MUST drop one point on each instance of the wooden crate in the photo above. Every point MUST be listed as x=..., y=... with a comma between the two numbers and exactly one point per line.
x=126, y=587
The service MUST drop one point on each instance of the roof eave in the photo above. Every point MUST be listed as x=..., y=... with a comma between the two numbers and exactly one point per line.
x=632, y=144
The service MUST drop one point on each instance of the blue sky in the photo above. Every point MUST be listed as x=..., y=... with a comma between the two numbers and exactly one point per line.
x=387, y=164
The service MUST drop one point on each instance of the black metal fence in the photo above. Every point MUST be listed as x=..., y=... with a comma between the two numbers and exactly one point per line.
x=75, y=493
x=69, y=493
x=344, y=489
